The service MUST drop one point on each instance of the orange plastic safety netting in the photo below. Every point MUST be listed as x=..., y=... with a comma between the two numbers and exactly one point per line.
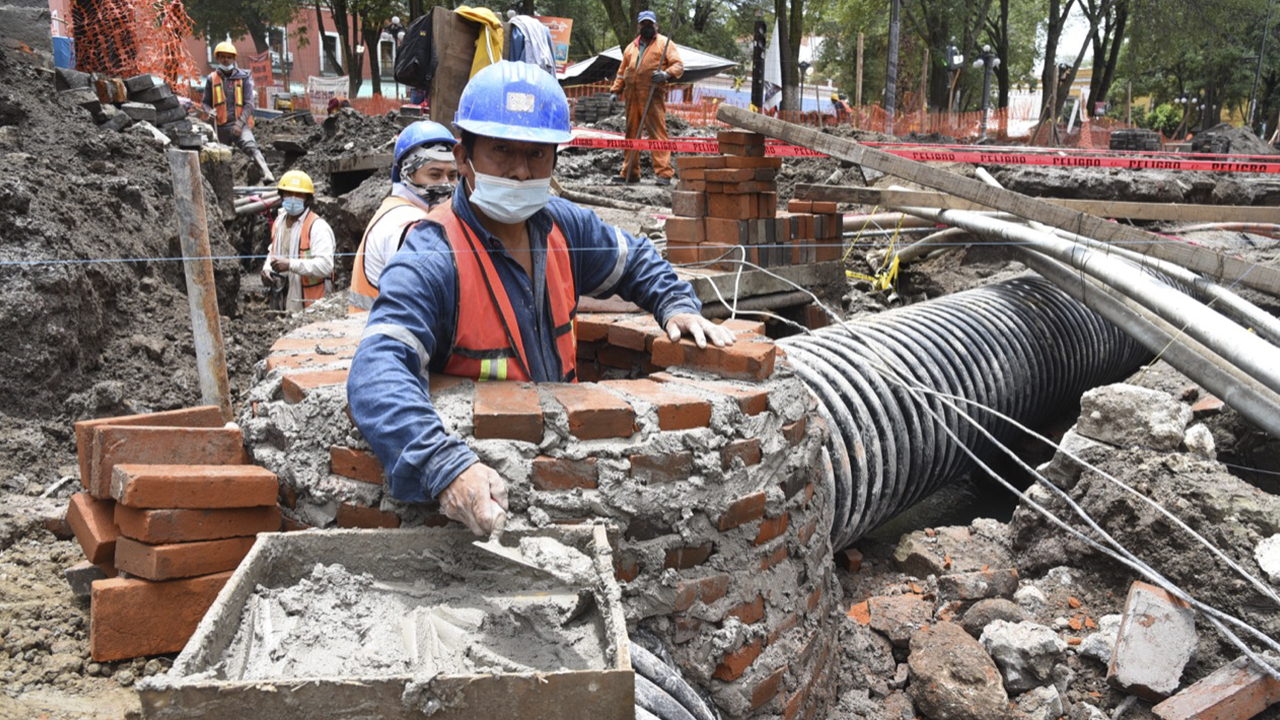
x=122, y=38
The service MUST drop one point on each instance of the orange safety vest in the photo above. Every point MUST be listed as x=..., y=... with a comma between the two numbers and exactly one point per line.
x=487, y=344
x=312, y=288
x=220, y=97
x=363, y=291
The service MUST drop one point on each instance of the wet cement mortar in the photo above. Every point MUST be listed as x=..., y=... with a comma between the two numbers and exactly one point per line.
x=95, y=339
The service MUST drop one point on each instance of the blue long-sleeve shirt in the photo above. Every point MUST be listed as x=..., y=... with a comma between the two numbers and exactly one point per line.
x=411, y=329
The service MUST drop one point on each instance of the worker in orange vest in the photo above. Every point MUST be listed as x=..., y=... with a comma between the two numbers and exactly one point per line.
x=228, y=97
x=487, y=288
x=299, y=265
x=648, y=64
x=423, y=175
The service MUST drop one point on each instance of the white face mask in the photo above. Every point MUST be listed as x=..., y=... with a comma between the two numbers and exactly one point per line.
x=227, y=67
x=509, y=201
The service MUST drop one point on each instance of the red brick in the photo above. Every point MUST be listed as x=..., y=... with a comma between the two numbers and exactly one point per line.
x=794, y=432
x=727, y=231
x=288, y=524
x=737, y=207
x=351, y=515
x=773, y=558
x=749, y=612
x=590, y=327
x=720, y=256
x=296, y=385
x=744, y=360
x=132, y=618
x=824, y=207
x=158, y=527
x=732, y=175
x=92, y=521
x=743, y=327
x=708, y=589
x=1236, y=690
x=694, y=173
x=754, y=188
x=795, y=703
x=689, y=162
x=849, y=559
x=811, y=603
x=747, y=450
x=771, y=528
x=507, y=411
x=193, y=486
x=675, y=412
x=203, y=416
x=635, y=333
x=654, y=468
x=616, y=357
x=688, y=203
x=692, y=186
x=679, y=253
x=356, y=464
x=288, y=495
x=683, y=558
x=286, y=344
x=626, y=569
x=742, y=511
x=684, y=229
x=594, y=412
x=550, y=473
x=751, y=401
x=179, y=560
x=737, y=662
x=799, y=206
x=781, y=628
x=860, y=613
x=143, y=445
x=736, y=161
x=309, y=361
x=739, y=137
x=1207, y=405
x=767, y=689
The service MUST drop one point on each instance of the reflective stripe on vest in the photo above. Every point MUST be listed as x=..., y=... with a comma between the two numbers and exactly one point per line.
x=487, y=343
x=363, y=292
x=220, y=98
x=312, y=288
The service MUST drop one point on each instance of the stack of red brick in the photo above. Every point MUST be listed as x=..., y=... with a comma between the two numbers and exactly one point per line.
x=729, y=201
x=170, y=507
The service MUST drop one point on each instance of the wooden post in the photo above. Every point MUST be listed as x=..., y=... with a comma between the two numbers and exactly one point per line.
x=857, y=94
x=202, y=294
x=1128, y=103
x=891, y=69
x=924, y=92
x=1220, y=267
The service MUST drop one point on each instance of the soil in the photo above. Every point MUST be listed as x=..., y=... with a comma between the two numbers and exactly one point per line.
x=99, y=326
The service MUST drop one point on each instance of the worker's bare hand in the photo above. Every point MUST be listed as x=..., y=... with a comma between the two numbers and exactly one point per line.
x=267, y=280
x=700, y=329
x=476, y=498
x=280, y=265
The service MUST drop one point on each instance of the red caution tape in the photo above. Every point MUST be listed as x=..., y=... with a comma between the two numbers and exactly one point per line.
x=1056, y=158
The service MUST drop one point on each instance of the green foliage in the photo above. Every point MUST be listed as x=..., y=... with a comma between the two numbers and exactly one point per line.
x=216, y=19
x=1164, y=118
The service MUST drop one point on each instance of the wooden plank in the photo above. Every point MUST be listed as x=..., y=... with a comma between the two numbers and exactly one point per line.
x=1225, y=269
x=455, y=46
x=822, y=278
x=1102, y=208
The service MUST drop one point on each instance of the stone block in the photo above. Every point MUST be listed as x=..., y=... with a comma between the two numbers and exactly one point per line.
x=140, y=111
x=1156, y=640
x=146, y=81
x=171, y=114
x=949, y=670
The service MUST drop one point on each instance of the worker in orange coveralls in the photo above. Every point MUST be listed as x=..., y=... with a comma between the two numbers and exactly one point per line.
x=648, y=64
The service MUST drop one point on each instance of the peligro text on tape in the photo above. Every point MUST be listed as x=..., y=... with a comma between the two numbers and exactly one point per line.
x=1144, y=162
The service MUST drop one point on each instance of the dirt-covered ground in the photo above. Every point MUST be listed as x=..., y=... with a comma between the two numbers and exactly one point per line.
x=94, y=322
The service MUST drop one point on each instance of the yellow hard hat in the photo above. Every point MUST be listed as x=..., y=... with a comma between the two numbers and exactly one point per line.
x=296, y=181
x=835, y=97
x=225, y=47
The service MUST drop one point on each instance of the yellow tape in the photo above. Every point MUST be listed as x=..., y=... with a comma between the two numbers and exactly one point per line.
x=887, y=277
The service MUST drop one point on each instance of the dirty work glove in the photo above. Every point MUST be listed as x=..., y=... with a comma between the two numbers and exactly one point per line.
x=660, y=77
x=476, y=498
x=237, y=128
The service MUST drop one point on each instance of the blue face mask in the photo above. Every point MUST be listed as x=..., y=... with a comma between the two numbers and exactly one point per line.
x=509, y=201
x=294, y=206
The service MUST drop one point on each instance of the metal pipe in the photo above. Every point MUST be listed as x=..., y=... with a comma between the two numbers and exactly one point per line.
x=761, y=302
x=1270, y=230
x=254, y=198
x=1021, y=347
x=1244, y=394
x=256, y=207
x=1238, y=346
x=892, y=219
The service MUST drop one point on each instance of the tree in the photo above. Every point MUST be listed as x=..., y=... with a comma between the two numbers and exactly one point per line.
x=1057, y=20
x=351, y=20
x=216, y=19
x=1108, y=17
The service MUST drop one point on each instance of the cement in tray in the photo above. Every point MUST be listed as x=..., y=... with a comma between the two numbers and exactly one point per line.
x=463, y=614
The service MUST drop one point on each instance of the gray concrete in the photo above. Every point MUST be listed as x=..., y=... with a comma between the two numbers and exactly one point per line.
x=1156, y=639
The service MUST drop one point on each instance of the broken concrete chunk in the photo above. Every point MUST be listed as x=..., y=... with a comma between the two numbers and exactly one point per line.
x=68, y=79
x=1101, y=644
x=167, y=103
x=949, y=550
x=149, y=131
x=1127, y=415
x=141, y=112
x=173, y=114
x=1199, y=440
x=84, y=97
x=117, y=122
x=1238, y=690
x=1025, y=652
x=1042, y=703
x=1156, y=639
x=979, y=585
x=1030, y=598
x=1268, y=556
x=985, y=612
x=152, y=95
x=897, y=617
x=1062, y=470
x=1085, y=711
x=81, y=576
x=146, y=81
x=953, y=678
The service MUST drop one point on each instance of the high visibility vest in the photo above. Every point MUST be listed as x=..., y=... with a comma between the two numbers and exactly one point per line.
x=220, y=97
x=363, y=291
x=487, y=344
x=312, y=288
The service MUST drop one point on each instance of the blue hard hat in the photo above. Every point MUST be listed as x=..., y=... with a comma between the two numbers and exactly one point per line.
x=423, y=132
x=514, y=101
x=647, y=15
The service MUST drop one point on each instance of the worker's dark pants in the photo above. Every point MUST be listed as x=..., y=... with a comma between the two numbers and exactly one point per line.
x=246, y=141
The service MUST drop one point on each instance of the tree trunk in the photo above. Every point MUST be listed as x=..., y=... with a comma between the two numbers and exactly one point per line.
x=1000, y=43
x=258, y=32
x=622, y=18
x=372, y=48
x=795, y=29
x=891, y=69
x=329, y=54
x=1058, y=12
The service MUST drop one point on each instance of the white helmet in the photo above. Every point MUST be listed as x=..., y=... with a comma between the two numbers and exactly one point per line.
x=395, y=20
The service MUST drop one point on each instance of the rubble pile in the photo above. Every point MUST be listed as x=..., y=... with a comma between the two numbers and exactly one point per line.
x=145, y=104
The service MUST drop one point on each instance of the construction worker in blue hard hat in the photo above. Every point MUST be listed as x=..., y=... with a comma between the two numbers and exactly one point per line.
x=648, y=63
x=423, y=175
x=487, y=288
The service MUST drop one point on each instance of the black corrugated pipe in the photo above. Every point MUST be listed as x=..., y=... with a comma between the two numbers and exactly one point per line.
x=1021, y=347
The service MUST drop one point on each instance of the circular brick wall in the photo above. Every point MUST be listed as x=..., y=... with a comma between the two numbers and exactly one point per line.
x=706, y=466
